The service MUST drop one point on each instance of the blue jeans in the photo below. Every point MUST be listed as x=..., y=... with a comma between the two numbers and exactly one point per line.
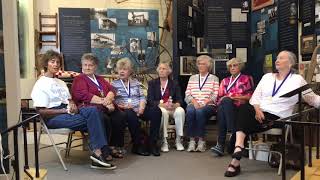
x=226, y=117
x=197, y=118
x=88, y=119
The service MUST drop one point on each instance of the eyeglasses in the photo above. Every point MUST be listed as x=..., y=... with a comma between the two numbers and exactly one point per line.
x=233, y=65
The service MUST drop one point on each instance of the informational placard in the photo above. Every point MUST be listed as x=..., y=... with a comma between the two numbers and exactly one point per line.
x=74, y=26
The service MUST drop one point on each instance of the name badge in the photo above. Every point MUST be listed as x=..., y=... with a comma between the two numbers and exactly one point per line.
x=129, y=100
x=269, y=99
x=161, y=101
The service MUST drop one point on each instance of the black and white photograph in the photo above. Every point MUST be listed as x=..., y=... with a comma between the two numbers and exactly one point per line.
x=190, y=11
x=138, y=18
x=195, y=3
x=228, y=48
x=142, y=56
x=152, y=39
x=307, y=44
x=245, y=6
x=261, y=27
x=102, y=40
x=98, y=13
x=272, y=14
x=188, y=65
x=193, y=41
x=134, y=44
x=201, y=49
x=107, y=23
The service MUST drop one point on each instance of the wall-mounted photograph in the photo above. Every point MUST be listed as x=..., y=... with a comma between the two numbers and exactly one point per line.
x=245, y=6
x=195, y=3
x=107, y=23
x=188, y=65
x=134, y=44
x=259, y=4
x=152, y=39
x=102, y=40
x=98, y=13
x=138, y=19
x=201, y=49
x=308, y=44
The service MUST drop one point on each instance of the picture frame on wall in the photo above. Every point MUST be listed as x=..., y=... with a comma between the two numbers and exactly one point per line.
x=195, y=3
x=201, y=49
x=259, y=4
x=138, y=19
x=188, y=65
x=308, y=43
x=244, y=6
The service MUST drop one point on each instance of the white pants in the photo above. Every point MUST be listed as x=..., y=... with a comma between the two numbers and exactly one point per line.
x=179, y=116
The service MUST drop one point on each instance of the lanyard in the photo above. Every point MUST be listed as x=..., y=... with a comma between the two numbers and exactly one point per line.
x=275, y=90
x=231, y=83
x=163, y=90
x=95, y=81
x=201, y=84
x=125, y=88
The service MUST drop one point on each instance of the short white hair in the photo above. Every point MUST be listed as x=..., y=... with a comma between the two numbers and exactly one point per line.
x=124, y=63
x=167, y=63
x=206, y=58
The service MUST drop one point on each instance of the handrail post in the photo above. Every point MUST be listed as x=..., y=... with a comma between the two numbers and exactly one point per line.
x=36, y=155
x=16, y=153
x=25, y=145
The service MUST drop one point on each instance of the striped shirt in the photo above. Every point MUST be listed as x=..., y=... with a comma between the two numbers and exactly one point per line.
x=136, y=93
x=209, y=90
x=242, y=87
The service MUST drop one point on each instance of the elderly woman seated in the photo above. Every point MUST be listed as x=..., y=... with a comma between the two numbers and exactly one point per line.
x=201, y=96
x=52, y=99
x=89, y=89
x=233, y=91
x=129, y=98
x=266, y=105
x=165, y=93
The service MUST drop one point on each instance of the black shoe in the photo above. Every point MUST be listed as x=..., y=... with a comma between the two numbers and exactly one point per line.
x=236, y=171
x=218, y=149
x=95, y=165
x=155, y=150
x=139, y=150
x=100, y=160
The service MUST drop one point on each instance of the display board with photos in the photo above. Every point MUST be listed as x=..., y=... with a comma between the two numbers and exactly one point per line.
x=112, y=34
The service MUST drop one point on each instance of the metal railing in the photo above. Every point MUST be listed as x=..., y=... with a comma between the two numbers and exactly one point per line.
x=33, y=118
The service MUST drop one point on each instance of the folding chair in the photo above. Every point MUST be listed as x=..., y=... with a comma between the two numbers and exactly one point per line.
x=272, y=131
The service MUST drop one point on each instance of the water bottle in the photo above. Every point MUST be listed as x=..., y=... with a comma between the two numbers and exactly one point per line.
x=170, y=102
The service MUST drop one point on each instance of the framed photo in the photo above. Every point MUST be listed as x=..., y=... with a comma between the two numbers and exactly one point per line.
x=138, y=19
x=259, y=4
x=308, y=44
x=195, y=3
x=201, y=47
x=188, y=65
x=245, y=6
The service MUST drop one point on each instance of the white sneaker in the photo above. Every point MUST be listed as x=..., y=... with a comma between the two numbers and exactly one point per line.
x=201, y=146
x=179, y=145
x=192, y=146
x=165, y=147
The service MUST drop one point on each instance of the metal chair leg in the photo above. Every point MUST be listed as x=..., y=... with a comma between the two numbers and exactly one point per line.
x=55, y=148
x=68, y=145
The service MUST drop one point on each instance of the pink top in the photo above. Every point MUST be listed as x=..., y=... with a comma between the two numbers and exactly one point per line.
x=243, y=86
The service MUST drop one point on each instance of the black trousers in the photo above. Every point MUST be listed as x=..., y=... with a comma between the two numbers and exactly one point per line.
x=115, y=123
x=152, y=114
x=247, y=123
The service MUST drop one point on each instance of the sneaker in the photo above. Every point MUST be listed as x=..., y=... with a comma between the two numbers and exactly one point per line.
x=218, y=149
x=201, y=146
x=95, y=165
x=165, y=147
x=179, y=145
x=192, y=146
x=100, y=160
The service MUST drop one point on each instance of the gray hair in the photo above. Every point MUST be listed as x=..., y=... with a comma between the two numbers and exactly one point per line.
x=235, y=60
x=206, y=58
x=167, y=63
x=124, y=63
x=292, y=57
x=91, y=57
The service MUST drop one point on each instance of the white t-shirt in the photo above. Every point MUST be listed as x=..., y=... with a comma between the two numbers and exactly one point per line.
x=282, y=107
x=50, y=92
